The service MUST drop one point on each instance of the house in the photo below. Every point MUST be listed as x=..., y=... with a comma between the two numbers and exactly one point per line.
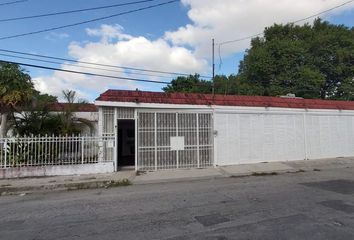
x=156, y=130
x=85, y=116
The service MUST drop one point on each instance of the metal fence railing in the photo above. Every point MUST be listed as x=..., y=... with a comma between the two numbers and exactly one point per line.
x=55, y=150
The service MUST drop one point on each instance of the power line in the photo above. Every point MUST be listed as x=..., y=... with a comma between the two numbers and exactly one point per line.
x=99, y=64
x=88, y=21
x=83, y=73
x=78, y=66
x=73, y=11
x=13, y=2
x=294, y=22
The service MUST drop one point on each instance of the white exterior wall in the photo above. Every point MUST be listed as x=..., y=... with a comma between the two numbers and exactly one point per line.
x=257, y=134
x=60, y=170
x=330, y=136
x=251, y=135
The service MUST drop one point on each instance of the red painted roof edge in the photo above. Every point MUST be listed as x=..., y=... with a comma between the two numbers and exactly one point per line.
x=78, y=107
x=221, y=100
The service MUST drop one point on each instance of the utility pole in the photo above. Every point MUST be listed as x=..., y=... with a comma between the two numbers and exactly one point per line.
x=213, y=59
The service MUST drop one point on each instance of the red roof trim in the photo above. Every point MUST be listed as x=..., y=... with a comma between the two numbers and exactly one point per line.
x=221, y=100
x=59, y=107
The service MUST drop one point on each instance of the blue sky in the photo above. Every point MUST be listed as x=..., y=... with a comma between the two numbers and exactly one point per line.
x=180, y=35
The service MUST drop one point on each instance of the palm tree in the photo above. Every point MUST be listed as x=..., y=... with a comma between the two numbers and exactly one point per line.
x=68, y=115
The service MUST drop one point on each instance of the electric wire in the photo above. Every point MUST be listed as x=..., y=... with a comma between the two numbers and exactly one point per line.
x=88, y=21
x=13, y=2
x=99, y=64
x=84, y=73
x=73, y=11
x=294, y=22
x=80, y=66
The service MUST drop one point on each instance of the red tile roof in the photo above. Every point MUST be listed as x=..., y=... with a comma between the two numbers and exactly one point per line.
x=221, y=100
x=59, y=107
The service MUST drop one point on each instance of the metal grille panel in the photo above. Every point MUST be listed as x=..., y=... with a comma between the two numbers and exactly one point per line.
x=155, y=130
x=125, y=113
x=108, y=122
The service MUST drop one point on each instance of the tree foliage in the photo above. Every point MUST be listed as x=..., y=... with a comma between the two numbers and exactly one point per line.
x=189, y=84
x=38, y=120
x=311, y=61
x=16, y=88
x=68, y=124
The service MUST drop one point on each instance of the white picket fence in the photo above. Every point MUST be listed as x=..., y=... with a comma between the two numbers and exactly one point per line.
x=55, y=150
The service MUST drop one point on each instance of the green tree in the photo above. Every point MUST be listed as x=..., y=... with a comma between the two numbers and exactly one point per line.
x=312, y=61
x=37, y=121
x=190, y=84
x=68, y=120
x=16, y=89
x=43, y=98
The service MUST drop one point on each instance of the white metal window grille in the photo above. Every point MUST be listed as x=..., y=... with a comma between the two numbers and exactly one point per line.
x=125, y=113
x=52, y=150
x=155, y=130
x=108, y=122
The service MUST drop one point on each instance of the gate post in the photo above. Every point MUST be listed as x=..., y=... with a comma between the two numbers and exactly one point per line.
x=136, y=139
x=155, y=134
x=115, y=145
x=82, y=149
x=198, y=157
x=5, y=149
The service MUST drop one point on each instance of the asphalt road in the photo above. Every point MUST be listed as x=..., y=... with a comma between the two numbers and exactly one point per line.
x=311, y=205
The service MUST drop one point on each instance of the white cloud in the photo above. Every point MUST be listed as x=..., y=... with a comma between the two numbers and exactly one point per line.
x=186, y=49
x=118, y=49
x=232, y=19
x=54, y=36
x=109, y=32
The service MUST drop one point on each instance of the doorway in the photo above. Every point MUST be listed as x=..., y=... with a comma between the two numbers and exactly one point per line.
x=126, y=143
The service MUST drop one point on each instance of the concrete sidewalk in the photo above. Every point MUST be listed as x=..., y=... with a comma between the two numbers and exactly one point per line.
x=123, y=178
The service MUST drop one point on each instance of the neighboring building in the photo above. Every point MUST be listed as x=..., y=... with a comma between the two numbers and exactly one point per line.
x=85, y=115
x=156, y=130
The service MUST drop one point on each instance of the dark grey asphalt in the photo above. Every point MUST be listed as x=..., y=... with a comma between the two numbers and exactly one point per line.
x=311, y=205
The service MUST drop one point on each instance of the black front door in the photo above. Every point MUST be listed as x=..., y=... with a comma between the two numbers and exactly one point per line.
x=126, y=143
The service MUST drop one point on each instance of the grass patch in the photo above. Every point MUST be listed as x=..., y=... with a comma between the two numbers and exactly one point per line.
x=6, y=185
x=258, y=174
x=119, y=183
x=298, y=171
x=139, y=173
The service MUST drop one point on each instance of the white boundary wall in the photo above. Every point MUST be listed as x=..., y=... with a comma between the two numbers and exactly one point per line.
x=61, y=170
x=249, y=135
x=257, y=134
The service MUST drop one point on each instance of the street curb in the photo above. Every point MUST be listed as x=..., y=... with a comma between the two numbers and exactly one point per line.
x=176, y=180
x=110, y=183
x=8, y=190
x=5, y=191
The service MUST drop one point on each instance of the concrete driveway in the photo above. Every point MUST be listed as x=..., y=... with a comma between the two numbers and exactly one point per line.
x=304, y=205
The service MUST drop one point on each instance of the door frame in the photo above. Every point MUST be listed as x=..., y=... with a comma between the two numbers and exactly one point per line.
x=116, y=119
x=116, y=153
